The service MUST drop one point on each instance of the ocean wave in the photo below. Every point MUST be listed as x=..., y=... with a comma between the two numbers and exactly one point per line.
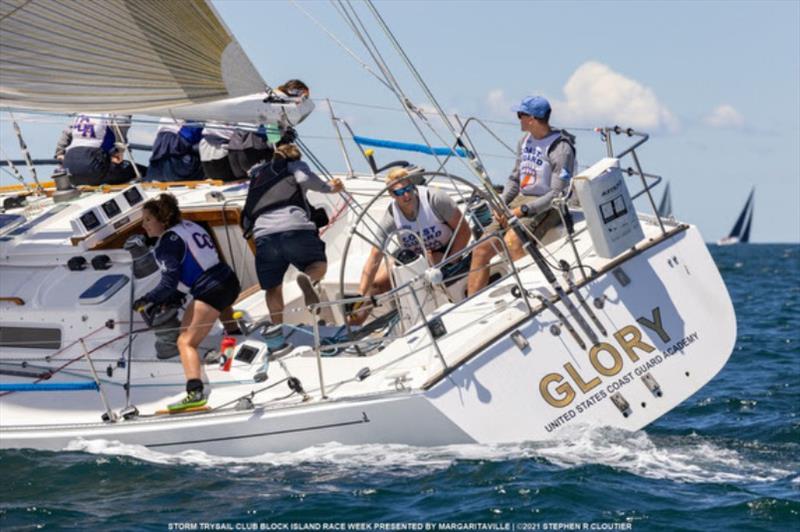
x=691, y=459
x=683, y=459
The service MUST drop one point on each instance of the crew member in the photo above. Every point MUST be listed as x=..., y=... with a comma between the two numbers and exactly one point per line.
x=189, y=263
x=544, y=166
x=425, y=216
x=285, y=233
x=91, y=152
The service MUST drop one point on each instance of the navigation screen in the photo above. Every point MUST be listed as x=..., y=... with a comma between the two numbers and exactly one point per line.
x=90, y=221
x=246, y=354
x=111, y=208
x=133, y=196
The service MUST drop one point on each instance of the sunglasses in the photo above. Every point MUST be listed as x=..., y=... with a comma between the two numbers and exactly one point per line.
x=399, y=192
x=520, y=115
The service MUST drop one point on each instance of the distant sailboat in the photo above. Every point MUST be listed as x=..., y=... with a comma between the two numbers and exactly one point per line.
x=740, y=234
x=665, y=207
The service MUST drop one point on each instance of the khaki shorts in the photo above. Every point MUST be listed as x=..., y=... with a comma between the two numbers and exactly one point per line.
x=538, y=224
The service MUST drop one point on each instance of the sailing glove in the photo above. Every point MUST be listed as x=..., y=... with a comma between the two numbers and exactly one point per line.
x=140, y=304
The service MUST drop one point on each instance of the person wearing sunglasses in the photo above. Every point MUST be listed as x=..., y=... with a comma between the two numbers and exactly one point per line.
x=427, y=216
x=544, y=165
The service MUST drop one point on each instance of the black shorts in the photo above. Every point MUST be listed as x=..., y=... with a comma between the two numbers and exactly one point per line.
x=221, y=295
x=275, y=252
x=86, y=165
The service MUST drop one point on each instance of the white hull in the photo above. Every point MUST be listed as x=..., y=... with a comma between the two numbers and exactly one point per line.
x=493, y=391
x=438, y=367
x=728, y=241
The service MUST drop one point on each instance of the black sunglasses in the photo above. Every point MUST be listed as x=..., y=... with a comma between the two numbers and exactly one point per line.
x=520, y=115
x=400, y=191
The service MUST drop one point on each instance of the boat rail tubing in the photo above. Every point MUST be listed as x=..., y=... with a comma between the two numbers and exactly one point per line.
x=657, y=179
x=335, y=121
x=109, y=412
x=365, y=212
x=647, y=190
x=643, y=137
x=416, y=328
x=342, y=121
x=130, y=337
x=412, y=290
x=560, y=205
x=126, y=149
x=409, y=285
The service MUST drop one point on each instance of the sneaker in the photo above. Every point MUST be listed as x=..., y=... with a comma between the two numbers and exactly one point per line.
x=309, y=293
x=194, y=399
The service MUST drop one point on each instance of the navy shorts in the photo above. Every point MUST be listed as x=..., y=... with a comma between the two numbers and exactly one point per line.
x=275, y=252
x=86, y=165
x=221, y=295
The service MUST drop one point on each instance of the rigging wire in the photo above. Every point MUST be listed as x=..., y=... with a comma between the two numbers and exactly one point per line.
x=408, y=106
x=340, y=43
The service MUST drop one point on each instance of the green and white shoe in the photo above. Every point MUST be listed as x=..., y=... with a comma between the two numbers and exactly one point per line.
x=195, y=399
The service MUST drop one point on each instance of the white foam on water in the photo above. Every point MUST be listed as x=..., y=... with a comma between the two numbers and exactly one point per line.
x=682, y=459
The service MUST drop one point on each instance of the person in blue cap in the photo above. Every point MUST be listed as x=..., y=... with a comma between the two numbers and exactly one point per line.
x=544, y=166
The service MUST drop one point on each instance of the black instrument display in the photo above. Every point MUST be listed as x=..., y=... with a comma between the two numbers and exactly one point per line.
x=246, y=354
x=111, y=208
x=90, y=221
x=133, y=196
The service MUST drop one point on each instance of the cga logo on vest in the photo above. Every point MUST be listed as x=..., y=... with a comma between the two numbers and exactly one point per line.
x=84, y=127
x=559, y=389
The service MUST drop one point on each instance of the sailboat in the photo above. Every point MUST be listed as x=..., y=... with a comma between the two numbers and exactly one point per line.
x=665, y=205
x=740, y=233
x=612, y=320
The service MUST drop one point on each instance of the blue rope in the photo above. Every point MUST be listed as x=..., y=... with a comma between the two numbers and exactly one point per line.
x=407, y=146
x=48, y=387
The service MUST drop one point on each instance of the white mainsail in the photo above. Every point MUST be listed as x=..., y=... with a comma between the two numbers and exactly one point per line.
x=123, y=56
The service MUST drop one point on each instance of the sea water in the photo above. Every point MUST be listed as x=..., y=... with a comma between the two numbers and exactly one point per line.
x=726, y=459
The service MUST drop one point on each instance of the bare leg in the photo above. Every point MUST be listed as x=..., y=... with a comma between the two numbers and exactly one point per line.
x=275, y=303
x=197, y=321
x=380, y=284
x=478, y=269
x=514, y=246
x=316, y=270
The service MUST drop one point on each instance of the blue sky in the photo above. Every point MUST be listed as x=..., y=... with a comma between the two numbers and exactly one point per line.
x=717, y=84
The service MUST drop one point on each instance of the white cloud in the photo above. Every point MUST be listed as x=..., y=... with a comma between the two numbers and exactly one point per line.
x=725, y=116
x=498, y=102
x=595, y=95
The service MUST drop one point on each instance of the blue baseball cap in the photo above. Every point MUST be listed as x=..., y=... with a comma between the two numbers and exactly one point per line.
x=535, y=106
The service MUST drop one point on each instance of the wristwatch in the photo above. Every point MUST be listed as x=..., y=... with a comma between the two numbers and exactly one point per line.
x=524, y=210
